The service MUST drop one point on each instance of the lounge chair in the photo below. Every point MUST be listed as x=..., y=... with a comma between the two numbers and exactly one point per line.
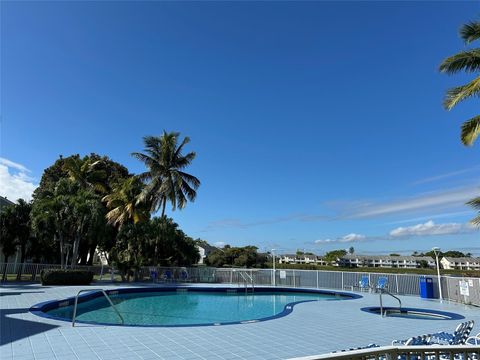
x=473, y=340
x=459, y=336
x=415, y=340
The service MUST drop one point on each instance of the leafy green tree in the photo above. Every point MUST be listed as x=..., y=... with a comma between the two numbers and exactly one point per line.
x=394, y=254
x=21, y=212
x=7, y=235
x=351, y=250
x=469, y=62
x=333, y=255
x=246, y=256
x=165, y=176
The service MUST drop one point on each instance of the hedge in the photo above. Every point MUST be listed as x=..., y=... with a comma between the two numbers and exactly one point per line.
x=66, y=277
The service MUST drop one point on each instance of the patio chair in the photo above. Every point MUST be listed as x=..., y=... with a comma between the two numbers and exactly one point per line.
x=167, y=276
x=184, y=276
x=364, y=283
x=382, y=283
x=153, y=274
x=459, y=336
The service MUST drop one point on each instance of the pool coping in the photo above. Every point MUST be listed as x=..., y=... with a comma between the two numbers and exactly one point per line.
x=448, y=315
x=41, y=308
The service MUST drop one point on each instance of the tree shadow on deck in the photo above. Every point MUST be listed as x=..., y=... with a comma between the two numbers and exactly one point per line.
x=13, y=329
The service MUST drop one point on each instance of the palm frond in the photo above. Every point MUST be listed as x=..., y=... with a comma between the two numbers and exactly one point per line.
x=470, y=130
x=460, y=93
x=468, y=61
x=470, y=32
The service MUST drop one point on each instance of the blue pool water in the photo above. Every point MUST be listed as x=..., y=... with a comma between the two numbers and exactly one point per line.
x=170, y=308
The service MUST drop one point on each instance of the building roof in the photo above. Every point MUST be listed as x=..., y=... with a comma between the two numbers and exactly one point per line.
x=4, y=202
x=387, y=257
x=462, y=259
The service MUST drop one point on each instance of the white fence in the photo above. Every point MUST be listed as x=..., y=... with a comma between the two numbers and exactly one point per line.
x=431, y=352
x=459, y=289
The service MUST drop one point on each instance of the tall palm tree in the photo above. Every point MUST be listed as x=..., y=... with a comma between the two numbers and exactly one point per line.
x=165, y=178
x=122, y=203
x=469, y=62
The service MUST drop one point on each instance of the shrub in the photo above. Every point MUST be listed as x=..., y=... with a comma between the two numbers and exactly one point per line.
x=66, y=277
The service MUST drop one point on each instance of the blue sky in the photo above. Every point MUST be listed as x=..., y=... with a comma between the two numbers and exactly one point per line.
x=318, y=125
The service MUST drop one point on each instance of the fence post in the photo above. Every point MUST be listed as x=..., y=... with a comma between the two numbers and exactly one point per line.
x=294, y=278
x=231, y=276
x=396, y=281
x=342, y=282
x=317, y=279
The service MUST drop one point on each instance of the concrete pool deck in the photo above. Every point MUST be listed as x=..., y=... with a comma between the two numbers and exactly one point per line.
x=312, y=328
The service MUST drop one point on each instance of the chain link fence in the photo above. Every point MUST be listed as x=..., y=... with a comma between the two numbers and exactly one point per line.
x=458, y=289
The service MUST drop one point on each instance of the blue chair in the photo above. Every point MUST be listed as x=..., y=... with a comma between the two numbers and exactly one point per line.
x=184, y=276
x=364, y=282
x=167, y=276
x=382, y=283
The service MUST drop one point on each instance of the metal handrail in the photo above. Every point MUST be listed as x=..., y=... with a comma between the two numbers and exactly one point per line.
x=384, y=291
x=246, y=277
x=104, y=293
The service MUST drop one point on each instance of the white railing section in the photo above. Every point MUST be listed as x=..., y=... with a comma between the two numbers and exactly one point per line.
x=431, y=352
x=459, y=289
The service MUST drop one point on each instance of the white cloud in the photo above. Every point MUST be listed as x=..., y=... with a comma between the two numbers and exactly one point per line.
x=446, y=199
x=447, y=175
x=430, y=228
x=344, y=239
x=13, y=165
x=219, y=244
x=14, y=181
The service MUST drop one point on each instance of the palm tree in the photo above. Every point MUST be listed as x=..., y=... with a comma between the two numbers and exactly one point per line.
x=475, y=203
x=88, y=173
x=122, y=203
x=165, y=178
x=469, y=62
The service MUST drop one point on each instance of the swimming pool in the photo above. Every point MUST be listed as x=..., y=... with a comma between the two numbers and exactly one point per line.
x=182, y=306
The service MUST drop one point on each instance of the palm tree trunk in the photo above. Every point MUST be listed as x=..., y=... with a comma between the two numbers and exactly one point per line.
x=23, y=251
x=164, y=201
x=62, y=255
x=4, y=278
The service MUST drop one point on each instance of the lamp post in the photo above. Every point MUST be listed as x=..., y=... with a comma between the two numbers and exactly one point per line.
x=436, y=251
x=274, y=273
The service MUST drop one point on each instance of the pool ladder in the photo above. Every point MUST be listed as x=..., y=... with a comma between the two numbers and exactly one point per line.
x=93, y=290
x=384, y=291
x=247, y=281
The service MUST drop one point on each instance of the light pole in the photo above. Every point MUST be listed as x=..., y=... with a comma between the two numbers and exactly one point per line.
x=436, y=251
x=274, y=274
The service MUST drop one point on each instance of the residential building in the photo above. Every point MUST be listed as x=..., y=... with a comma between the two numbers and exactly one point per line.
x=460, y=263
x=404, y=262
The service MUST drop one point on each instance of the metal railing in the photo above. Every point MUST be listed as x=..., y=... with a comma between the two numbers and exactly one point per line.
x=247, y=279
x=430, y=352
x=384, y=291
x=458, y=289
x=93, y=290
